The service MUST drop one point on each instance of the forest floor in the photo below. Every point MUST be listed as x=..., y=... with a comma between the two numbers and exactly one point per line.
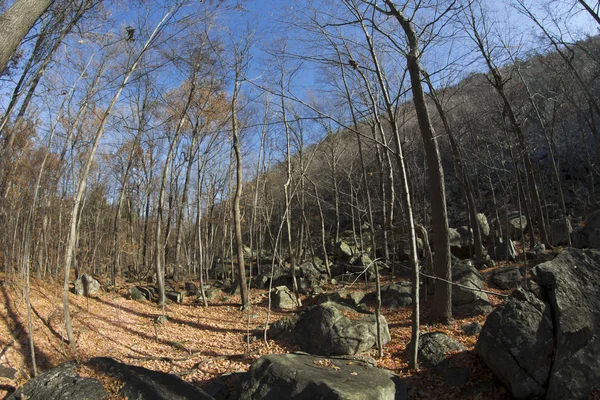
x=196, y=343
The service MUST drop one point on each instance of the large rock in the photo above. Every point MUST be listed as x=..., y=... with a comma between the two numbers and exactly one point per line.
x=433, y=347
x=395, y=295
x=484, y=226
x=211, y=293
x=465, y=270
x=593, y=241
x=579, y=239
x=283, y=298
x=139, y=383
x=482, y=221
x=547, y=344
x=362, y=272
x=60, y=383
x=499, y=250
x=516, y=225
x=302, y=376
x=86, y=285
x=591, y=224
x=308, y=270
x=269, y=270
x=343, y=251
x=191, y=288
x=571, y=284
x=324, y=330
x=403, y=249
x=467, y=299
x=507, y=278
x=560, y=232
x=139, y=293
x=516, y=343
x=461, y=240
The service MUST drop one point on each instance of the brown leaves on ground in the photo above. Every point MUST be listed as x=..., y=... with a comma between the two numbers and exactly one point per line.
x=196, y=343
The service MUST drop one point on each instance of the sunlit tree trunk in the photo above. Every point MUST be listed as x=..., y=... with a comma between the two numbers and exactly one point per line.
x=442, y=303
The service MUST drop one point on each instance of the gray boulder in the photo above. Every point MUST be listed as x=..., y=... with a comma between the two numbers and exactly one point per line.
x=589, y=235
x=268, y=270
x=546, y=344
x=191, y=288
x=86, y=285
x=482, y=221
x=211, y=293
x=591, y=224
x=461, y=240
x=516, y=225
x=139, y=383
x=283, y=298
x=594, y=239
x=499, y=248
x=363, y=260
x=324, y=330
x=484, y=226
x=468, y=300
x=283, y=329
x=355, y=298
x=302, y=376
x=463, y=270
x=361, y=271
x=141, y=293
x=343, y=251
x=175, y=296
x=540, y=257
x=579, y=239
x=507, y=278
x=433, y=347
x=560, y=232
x=471, y=329
x=403, y=249
x=516, y=343
x=571, y=284
x=60, y=383
x=308, y=270
x=396, y=295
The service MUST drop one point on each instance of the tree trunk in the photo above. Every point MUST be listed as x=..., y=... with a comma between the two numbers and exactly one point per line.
x=159, y=244
x=15, y=23
x=405, y=196
x=442, y=304
x=237, y=215
x=461, y=171
x=288, y=199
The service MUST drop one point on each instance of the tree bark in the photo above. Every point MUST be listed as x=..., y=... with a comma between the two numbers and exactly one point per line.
x=15, y=23
x=442, y=303
x=237, y=215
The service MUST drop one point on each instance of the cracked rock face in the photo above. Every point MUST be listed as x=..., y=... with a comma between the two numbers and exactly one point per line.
x=324, y=330
x=572, y=284
x=61, y=382
x=549, y=346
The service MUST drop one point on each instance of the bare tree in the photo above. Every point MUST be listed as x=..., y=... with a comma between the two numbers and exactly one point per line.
x=240, y=65
x=442, y=307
